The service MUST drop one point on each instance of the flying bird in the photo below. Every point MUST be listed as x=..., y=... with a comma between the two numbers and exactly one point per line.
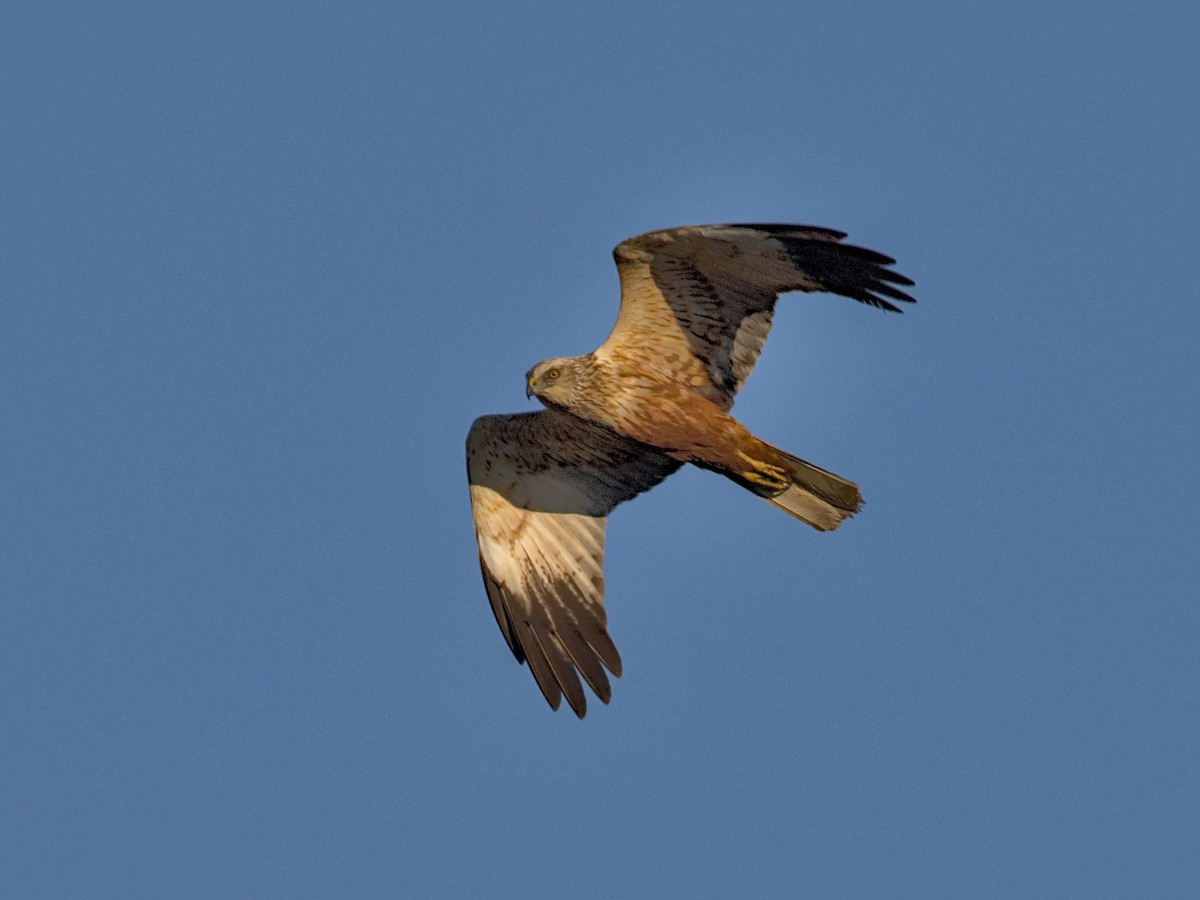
x=696, y=308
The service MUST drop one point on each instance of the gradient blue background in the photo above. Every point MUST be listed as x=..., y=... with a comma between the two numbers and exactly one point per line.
x=263, y=264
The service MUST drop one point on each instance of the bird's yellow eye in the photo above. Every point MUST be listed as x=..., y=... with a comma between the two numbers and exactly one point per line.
x=552, y=374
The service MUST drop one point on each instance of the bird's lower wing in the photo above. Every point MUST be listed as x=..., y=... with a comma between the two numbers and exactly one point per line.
x=542, y=485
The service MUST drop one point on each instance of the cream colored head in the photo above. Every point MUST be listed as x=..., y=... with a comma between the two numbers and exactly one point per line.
x=552, y=380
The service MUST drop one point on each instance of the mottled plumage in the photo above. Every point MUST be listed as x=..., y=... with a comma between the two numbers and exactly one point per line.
x=696, y=308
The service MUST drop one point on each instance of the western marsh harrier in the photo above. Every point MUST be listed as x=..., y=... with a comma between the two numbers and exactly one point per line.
x=696, y=307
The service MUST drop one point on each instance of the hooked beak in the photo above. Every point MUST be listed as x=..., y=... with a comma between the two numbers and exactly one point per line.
x=529, y=388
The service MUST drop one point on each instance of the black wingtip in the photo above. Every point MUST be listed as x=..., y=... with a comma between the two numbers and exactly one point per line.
x=846, y=269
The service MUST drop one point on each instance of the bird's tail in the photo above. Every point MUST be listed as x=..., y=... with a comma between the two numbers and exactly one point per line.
x=799, y=488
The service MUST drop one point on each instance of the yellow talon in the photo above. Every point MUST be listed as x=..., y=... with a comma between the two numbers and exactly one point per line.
x=764, y=473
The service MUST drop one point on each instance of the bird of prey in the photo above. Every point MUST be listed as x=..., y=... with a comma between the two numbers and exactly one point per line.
x=696, y=307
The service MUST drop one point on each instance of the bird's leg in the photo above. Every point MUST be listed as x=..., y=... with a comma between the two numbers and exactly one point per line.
x=763, y=473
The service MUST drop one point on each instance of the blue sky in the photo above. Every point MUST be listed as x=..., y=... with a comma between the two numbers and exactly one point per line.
x=264, y=264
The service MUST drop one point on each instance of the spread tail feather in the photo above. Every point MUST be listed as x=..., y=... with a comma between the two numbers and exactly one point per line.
x=811, y=494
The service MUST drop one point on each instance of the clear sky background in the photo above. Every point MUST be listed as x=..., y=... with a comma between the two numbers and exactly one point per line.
x=262, y=265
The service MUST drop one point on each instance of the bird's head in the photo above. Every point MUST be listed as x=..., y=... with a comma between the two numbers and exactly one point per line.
x=552, y=380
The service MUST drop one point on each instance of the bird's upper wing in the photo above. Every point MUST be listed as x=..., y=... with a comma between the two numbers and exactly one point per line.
x=542, y=485
x=696, y=302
